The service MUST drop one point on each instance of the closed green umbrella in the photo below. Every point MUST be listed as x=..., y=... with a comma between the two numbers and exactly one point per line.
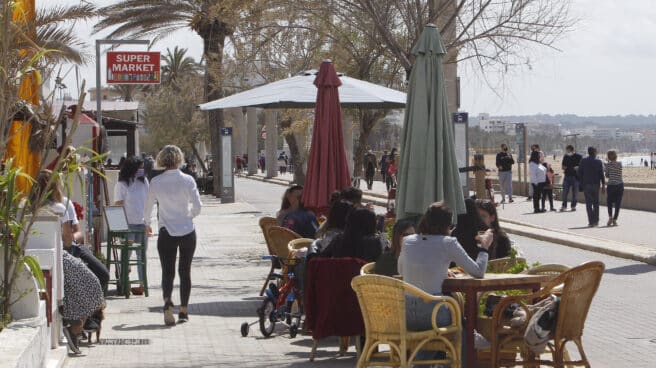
x=428, y=167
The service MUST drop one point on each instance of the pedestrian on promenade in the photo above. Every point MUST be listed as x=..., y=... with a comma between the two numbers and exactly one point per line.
x=370, y=166
x=178, y=203
x=262, y=163
x=591, y=172
x=504, y=163
x=570, y=165
x=534, y=147
x=615, y=188
x=500, y=247
x=538, y=175
x=391, y=173
x=383, y=166
x=130, y=192
x=547, y=191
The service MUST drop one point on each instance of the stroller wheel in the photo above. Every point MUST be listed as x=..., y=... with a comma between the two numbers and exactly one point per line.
x=244, y=329
x=267, y=318
x=293, y=330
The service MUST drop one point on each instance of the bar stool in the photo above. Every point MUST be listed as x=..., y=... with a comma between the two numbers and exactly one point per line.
x=119, y=249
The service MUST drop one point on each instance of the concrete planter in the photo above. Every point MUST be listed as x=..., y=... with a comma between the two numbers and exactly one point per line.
x=25, y=343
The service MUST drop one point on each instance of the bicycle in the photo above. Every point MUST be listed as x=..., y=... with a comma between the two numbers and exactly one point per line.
x=281, y=304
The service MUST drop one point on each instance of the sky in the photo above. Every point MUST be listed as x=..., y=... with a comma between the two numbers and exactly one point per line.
x=605, y=65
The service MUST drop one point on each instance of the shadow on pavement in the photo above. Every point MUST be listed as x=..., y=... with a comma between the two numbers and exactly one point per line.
x=634, y=269
x=236, y=308
x=150, y=327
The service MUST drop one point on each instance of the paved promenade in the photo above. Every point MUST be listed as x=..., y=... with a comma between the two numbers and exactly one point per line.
x=228, y=272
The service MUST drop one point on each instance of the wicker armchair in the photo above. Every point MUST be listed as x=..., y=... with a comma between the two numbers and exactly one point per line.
x=579, y=286
x=548, y=269
x=299, y=243
x=279, y=238
x=382, y=301
x=368, y=269
x=265, y=224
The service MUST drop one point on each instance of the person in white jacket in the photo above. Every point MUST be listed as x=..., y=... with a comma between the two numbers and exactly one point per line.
x=538, y=176
x=179, y=202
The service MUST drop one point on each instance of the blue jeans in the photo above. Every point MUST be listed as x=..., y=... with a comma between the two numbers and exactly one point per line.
x=591, y=192
x=418, y=318
x=570, y=182
x=505, y=182
x=141, y=239
x=614, y=195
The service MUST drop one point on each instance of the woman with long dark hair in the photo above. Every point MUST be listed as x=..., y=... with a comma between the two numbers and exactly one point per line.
x=469, y=224
x=130, y=192
x=179, y=202
x=500, y=247
x=359, y=239
x=387, y=263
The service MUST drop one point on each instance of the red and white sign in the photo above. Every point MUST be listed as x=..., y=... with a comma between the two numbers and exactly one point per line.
x=133, y=67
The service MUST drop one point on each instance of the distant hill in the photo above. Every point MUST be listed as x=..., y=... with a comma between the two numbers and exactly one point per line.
x=574, y=121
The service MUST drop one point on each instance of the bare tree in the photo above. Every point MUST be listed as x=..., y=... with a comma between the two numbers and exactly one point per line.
x=494, y=35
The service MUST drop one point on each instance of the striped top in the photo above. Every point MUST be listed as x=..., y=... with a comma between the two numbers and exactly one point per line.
x=613, y=171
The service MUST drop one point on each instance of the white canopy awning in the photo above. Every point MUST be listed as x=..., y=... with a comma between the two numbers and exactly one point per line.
x=300, y=92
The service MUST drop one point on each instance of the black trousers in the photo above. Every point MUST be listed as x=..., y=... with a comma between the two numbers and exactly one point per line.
x=369, y=178
x=614, y=195
x=167, y=247
x=537, y=195
x=93, y=263
x=547, y=194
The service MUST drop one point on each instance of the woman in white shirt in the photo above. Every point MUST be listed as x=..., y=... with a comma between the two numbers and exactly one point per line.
x=179, y=202
x=538, y=175
x=130, y=192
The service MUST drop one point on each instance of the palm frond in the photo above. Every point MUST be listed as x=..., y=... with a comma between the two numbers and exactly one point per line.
x=63, y=41
x=147, y=17
x=61, y=14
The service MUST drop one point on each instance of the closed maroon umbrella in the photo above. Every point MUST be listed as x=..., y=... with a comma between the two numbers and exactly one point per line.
x=327, y=168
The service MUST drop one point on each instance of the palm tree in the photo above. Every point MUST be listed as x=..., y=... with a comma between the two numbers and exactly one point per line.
x=177, y=65
x=212, y=20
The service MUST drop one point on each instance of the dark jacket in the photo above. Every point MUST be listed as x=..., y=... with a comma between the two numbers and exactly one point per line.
x=504, y=161
x=591, y=171
x=570, y=162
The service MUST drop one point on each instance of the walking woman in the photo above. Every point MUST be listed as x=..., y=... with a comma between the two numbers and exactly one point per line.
x=614, y=187
x=538, y=174
x=130, y=192
x=179, y=202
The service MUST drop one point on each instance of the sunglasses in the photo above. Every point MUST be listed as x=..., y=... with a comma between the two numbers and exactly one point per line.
x=407, y=234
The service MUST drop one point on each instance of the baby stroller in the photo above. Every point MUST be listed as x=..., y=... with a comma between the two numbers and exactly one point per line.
x=283, y=302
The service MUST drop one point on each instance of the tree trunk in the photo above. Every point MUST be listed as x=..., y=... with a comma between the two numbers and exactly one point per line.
x=294, y=151
x=197, y=155
x=214, y=34
x=368, y=120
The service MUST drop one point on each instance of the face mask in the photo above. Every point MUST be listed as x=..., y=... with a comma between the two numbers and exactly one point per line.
x=570, y=153
x=140, y=173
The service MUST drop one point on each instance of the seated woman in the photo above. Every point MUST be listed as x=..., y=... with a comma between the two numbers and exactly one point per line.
x=500, y=247
x=83, y=294
x=359, y=239
x=424, y=262
x=387, y=263
x=294, y=216
x=469, y=224
x=334, y=225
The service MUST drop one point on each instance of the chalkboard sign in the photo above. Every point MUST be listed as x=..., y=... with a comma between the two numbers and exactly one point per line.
x=116, y=218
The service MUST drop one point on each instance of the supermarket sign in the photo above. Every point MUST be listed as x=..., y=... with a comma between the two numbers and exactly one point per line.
x=133, y=67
